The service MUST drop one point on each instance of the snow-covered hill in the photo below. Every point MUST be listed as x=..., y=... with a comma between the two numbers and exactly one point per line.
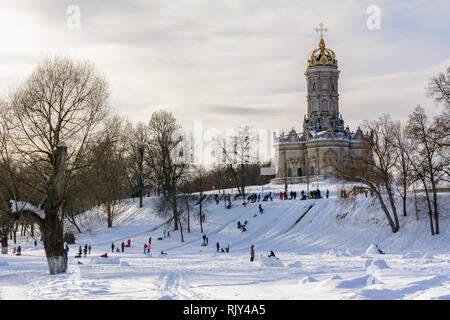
x=322, y=247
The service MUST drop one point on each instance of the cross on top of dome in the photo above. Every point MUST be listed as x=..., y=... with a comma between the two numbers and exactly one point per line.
x=321, y=29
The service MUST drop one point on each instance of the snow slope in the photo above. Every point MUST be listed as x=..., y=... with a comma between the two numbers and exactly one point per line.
x=321, y=246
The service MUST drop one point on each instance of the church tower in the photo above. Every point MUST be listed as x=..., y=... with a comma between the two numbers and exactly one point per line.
x=322, y=76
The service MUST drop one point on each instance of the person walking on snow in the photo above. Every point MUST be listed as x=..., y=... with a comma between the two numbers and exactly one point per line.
x=204, y=238
x=218, y=247
x=164, y=233
x=252, y=253
x=150, y=240
x=89, y=250
x=129, y=242
x=148, y=248
x=145, y=248
x=123, y=246
x=112, y=247
x=379, y=250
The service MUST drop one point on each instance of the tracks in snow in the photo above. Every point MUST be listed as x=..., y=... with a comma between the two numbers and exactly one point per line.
x=301, y=217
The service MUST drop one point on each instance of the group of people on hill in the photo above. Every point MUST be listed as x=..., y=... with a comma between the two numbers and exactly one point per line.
x=86, y=250
x=252, y=253
x=222, y=250
x=18, y=251
x=122, y=245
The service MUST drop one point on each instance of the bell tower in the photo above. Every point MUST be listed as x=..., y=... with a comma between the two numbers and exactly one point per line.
x=322, y=96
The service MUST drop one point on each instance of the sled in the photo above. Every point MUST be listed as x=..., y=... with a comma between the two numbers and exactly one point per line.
x=204, y=244
x=160, y=238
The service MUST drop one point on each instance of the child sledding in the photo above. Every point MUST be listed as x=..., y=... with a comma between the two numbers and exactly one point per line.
x=241, y=226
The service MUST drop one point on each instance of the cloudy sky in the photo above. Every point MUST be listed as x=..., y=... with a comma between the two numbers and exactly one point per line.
x=233, y=62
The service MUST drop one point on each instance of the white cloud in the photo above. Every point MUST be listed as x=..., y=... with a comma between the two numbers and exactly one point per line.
x=230, y=62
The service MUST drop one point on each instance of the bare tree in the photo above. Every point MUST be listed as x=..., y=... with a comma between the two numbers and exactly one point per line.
x=109, y=171
x=61, y=102
x=237, y=152
x=137, y=145
x=375, y=167
x=403, y=169
x=166, y=157
x=427, y=162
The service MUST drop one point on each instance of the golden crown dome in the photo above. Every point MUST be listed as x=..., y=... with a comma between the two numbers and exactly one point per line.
x=322, y=56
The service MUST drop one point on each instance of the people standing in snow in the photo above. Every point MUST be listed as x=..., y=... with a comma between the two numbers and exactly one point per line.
x=261, y=210
x=123, y=246
x=204, y=238
x=85, y=250
x=252, y=253
x=150, y=240
x=227, y=248
x=129, y=243
x=112, y=247
x=327, y=193
x=145, y=248
x=89, y=250
x=218, y=247
x=80, y=251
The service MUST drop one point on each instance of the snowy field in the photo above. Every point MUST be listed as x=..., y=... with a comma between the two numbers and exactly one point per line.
x=327, y=254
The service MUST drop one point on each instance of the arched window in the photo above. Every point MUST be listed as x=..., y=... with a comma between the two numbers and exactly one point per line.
x=324, y=105
x=314, y=86
x=299, y=172
x=316, y=106
x=289, y=172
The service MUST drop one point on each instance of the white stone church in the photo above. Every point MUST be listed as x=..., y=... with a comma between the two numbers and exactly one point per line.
x=324, y=141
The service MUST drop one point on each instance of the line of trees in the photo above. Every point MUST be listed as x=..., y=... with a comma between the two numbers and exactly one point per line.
x=404, y=156
x=63, y=151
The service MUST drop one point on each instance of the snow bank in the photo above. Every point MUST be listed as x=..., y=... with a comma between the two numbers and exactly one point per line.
x=100, y=260
x=372, y=249
x=124, y=264
x=307, y=279
x=359, y=282
x=412, y=255
x=381, y=264
x=367, y=263
x=264, y=261
x=296, y=264
x=428, y=256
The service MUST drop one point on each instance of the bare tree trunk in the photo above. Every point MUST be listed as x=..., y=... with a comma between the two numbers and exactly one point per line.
x=51, y=227
x=393, y=226
x=200, y=211
x=415, y=202
x=4, y=243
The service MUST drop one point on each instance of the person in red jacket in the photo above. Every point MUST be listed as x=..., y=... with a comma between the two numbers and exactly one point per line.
x=123, y=246
x=129, y=242
x=104, y=255
x=281, y=195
